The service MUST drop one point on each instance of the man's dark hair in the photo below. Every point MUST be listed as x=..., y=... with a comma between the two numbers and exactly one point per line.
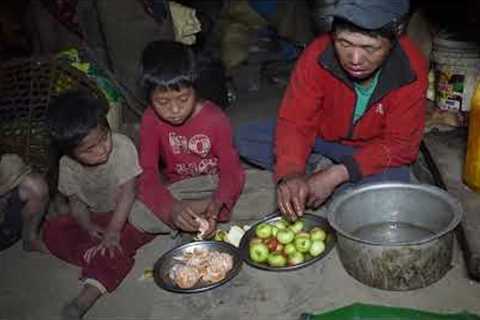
x=72, y=116
x=167, y=65
x=390, y=31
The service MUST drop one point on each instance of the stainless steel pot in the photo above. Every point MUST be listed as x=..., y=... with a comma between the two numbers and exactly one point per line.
x=395, y=236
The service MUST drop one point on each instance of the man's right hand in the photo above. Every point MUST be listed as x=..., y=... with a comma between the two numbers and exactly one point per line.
x=292, y=194
x=184, y=217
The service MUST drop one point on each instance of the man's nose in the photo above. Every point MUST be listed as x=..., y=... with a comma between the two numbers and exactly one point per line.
x=356, y=56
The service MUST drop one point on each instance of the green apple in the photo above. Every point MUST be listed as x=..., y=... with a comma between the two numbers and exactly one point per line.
x=277, y=260
x=297, y=226
x=274, y=231
x=317, y=248
x=295, y=258
x=263, y=230
x=281, y=224
x=220, y=235
x=318, y=233
x=285, y=236
x=303, y=234
x=302, y=243
x=259, y=252
x=289, y=248
x=255, y=240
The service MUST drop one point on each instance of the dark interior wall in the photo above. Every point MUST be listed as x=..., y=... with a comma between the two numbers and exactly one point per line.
x=453, y=15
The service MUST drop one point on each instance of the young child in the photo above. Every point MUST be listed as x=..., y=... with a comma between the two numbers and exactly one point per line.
x=192, y=175
x=97, y=173
x=23, y=202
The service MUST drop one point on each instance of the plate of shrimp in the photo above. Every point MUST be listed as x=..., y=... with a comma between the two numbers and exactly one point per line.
x=197, y=266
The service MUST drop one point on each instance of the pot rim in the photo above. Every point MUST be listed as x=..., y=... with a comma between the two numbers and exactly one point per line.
x=338, y=200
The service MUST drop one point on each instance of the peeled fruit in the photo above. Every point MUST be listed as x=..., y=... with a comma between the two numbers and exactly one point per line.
x=259, y=252
x=302, y=243
x=318, y=234
x=263, y=230
x=285, y=236
x=295, y=258
x=277, y=260
x=317, y=248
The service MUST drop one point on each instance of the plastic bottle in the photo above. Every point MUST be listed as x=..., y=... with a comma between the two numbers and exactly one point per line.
x=471, y=169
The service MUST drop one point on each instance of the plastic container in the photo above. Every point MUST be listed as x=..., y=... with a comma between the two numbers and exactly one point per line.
x=471, y=169
x=457, y=70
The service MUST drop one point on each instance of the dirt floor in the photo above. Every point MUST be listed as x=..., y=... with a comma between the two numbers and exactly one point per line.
x=34, y=286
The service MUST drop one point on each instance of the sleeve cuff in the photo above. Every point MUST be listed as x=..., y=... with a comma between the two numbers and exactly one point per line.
x=352, y=167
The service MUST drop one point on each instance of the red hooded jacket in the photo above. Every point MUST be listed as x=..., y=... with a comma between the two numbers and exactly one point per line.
x=320, y=102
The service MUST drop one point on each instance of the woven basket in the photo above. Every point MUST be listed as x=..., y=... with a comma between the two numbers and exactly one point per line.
x=27, y=87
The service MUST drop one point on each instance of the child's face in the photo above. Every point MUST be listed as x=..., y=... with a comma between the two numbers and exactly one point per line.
x=174, y=107
x=95, y=148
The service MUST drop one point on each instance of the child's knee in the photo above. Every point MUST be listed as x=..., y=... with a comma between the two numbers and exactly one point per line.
x=35, y=188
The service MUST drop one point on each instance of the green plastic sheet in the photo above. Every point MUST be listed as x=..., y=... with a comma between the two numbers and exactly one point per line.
x=360, y=311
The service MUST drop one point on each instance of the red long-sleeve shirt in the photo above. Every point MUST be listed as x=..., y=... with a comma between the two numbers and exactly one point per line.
x=201, y=146
x=320, y=101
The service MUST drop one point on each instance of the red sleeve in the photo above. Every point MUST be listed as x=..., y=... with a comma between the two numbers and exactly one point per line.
x=155, y=195
x=299, y=111
x=231, y=173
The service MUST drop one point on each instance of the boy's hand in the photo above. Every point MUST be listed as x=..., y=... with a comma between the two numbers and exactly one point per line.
x=94, y=231
x=110, y=243
x=211, y=215
x=184, y=217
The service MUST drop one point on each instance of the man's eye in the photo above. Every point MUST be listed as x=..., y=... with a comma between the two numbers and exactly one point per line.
x=183, y=99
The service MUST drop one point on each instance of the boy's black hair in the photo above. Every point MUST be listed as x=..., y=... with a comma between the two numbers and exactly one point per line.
x=167, y=65
x=72, y=116
x=390, y=31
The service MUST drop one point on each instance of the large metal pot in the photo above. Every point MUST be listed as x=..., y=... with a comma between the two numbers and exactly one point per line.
x=395, y=236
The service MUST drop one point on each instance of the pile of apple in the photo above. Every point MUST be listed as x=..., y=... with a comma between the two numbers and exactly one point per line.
x=280, y=243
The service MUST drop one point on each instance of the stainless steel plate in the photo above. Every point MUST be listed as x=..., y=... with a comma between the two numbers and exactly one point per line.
x=165, y=263
x=310, y=221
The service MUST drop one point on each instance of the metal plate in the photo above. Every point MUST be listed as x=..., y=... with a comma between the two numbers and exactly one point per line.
x=310, y=221
x=165, y=263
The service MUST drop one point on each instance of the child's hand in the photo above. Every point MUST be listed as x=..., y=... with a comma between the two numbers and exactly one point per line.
x=184, y=217
x=94, y=231
x=110, y=243
x=211, y=214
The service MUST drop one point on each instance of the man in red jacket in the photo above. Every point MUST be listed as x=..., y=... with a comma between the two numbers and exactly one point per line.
x=356, y=97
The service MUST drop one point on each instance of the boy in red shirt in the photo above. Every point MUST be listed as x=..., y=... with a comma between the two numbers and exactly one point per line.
x=191, y=171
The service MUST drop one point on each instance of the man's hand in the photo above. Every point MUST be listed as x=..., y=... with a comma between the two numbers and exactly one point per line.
x=323, y=183
x=184, y=217
x=292, y=193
